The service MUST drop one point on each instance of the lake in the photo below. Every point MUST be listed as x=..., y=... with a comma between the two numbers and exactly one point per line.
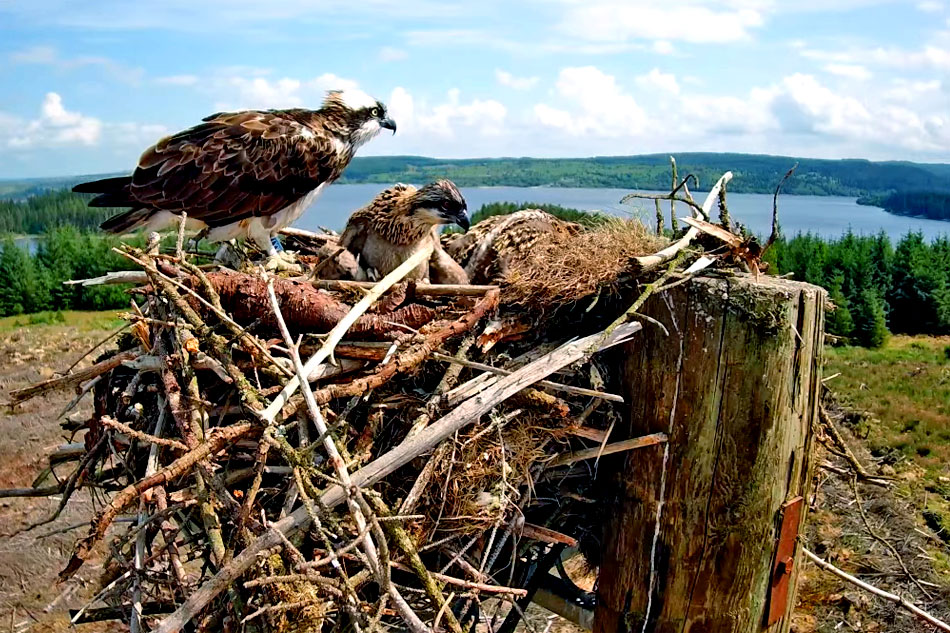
x=828, y=216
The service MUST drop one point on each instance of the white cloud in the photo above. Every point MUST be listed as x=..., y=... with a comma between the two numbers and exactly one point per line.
x=485, y=117
x=135, y=135
x=34, y=55
x=552, y=117
x=177, y=80
x=402, y=109
x=663, y=47
x=505, y=78
x=55, y=126
x=929, y=56
x=795, y=114
x=930, y=6
x=716, y=117
x=391, y=54
x=243, y=17
x=258, y=92
x=676, y=20
x=469, y=126
x=850, y=71
x=658, y=80
x=597, y=105
x=909, y=92
x=802, y=105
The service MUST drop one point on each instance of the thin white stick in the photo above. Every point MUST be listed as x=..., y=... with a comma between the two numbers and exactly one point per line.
x=117, y=277
x=180, y=242
x=909, y=606
x=269, y=414
x=339, y=466
x=649, y=262
x=543, y=383
x=151, y=467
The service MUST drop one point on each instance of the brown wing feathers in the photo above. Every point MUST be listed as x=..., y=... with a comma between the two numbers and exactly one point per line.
x=230, y=167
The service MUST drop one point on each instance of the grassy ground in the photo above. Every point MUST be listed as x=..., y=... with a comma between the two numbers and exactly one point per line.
x=76, y=320
x=893, y=406
x=905, y=389
x=34, y=348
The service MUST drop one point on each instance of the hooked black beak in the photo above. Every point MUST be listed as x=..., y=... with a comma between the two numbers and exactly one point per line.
x=462, y=220
x=388, y=123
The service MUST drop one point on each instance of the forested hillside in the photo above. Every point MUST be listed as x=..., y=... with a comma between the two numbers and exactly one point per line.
x=876, y=287
x=934, y=205
x=49, y=210
x=34, y=282
x=752, y=173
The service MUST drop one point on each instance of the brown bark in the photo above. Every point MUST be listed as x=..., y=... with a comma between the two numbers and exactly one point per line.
x=304, y=307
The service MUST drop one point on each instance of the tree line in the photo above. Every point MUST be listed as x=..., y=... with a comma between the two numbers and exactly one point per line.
x=753, y=173
x=31, y=280
x=877, y=287
x=934, y=205
x=40, y=213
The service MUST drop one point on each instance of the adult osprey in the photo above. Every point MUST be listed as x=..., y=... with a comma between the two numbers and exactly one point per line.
x=242, y=174
x=388, y=230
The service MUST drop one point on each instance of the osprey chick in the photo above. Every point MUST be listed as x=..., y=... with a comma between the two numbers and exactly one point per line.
x=388, y=230
x=242, y=174
x=490, y=247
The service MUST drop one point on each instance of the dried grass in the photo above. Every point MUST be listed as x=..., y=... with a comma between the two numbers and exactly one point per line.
x=491, y=462
x=563, y=269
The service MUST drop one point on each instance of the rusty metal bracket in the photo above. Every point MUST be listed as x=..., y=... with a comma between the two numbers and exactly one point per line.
x=784, y=559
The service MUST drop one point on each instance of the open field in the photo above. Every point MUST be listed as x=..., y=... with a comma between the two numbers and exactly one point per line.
x=893, y=405
x=33, y=348
x=905, y=389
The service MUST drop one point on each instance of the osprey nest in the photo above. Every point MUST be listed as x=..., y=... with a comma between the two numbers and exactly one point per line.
x=308, y=454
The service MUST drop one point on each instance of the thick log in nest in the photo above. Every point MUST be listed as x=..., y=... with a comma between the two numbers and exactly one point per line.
x=396, y=484
x=306, y=308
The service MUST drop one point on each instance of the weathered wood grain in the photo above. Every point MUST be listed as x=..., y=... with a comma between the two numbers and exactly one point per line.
x=735, y=386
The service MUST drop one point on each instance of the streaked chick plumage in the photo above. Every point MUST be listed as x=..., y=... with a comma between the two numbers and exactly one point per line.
x=398, y=221
x=488, y=249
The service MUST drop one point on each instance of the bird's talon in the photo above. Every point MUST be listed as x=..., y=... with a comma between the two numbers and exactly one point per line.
x=279, y=263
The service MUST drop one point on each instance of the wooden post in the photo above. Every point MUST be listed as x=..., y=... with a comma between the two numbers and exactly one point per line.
x=735, y=385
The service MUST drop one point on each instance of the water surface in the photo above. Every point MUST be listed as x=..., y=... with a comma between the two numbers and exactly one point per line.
x=829, y=216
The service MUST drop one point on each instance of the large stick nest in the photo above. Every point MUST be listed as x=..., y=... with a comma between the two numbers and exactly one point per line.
x=236, y=520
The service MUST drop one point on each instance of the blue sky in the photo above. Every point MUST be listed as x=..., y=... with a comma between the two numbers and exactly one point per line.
x=86, y=86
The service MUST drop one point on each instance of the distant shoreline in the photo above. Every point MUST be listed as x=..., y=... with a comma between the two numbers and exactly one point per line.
x=754, y=173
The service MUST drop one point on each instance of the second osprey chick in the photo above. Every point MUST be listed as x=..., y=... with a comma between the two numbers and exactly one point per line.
x=398, y=221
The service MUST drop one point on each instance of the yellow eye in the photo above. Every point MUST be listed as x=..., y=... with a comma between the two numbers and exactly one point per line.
x=375, y=111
